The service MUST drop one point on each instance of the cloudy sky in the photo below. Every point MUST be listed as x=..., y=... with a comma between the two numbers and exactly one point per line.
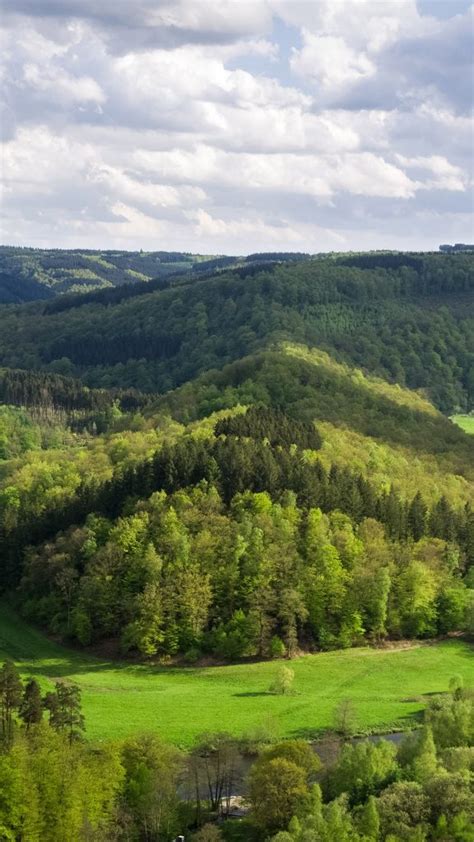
x=227, y=126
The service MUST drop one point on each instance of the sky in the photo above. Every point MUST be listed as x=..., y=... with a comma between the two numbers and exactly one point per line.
x=235, y=126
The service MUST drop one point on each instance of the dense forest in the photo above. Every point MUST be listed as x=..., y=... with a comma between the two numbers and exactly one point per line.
x=236, y=543
x=411, y=325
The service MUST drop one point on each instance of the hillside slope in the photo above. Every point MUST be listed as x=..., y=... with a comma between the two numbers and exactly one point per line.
x=310, y=385
x=408, y=325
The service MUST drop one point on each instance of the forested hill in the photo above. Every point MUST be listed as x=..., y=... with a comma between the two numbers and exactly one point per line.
x=245, y=460
x=408, y=321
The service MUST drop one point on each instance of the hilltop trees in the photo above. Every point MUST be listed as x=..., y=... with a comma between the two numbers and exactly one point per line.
x=156, y=577
x=190, y=572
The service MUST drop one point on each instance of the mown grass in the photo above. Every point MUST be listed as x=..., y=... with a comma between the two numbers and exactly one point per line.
x=466, y=422
x=388, y=688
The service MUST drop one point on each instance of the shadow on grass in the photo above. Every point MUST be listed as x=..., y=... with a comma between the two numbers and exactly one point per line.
x=424, y=698
x=253, y=695
x=70, y=667
x=327, y=736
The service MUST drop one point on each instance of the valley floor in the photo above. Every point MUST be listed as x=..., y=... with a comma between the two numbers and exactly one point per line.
x=388, y=688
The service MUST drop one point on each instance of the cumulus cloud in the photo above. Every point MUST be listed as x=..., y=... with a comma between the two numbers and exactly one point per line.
x=146, y=24
x=195, y=125
x=330, y=63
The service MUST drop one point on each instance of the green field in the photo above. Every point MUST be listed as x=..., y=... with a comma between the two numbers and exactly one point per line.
x=466, y=422
x=388, y=688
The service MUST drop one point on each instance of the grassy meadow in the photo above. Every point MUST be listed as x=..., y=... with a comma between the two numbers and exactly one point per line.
x=466, y=422
x=388, y=688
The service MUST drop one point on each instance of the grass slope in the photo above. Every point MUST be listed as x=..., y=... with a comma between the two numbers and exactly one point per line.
x=466, y=422
x=388, y=688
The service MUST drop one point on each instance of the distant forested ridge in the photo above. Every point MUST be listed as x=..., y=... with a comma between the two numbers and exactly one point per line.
x=27, y=274
x=30, y=274
x=406, y=318
x=458, y=247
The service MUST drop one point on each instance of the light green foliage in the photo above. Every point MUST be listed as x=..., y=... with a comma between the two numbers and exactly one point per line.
x=385, y=463
x=373, y=793
x=184, y=572
x=402, y=807
x=52, y=790
x=152, y=769
x=278, y=789
x=362, y=770
x=208, y=833
x=297, y=751
x=282, y=685
x=52, y=468
x=391, y=434
x=368, y=819
x=425, y=764
x=345, y=720
x=18, y=433
x=452, y=720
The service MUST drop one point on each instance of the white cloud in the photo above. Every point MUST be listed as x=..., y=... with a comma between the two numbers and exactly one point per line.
x=61, y=85
x=446, y=175
x=329, y=63
x=369, y=25
x=184, y=125
x=318, y=176
x=119, y=183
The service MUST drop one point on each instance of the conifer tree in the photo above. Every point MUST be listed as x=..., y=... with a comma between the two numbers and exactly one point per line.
x=31, y=708
x=417, y=517
x=64, y=705
x=369, y=821
x=10, y=698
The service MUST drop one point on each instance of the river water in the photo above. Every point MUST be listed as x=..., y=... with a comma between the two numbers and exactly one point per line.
x=327, y=749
